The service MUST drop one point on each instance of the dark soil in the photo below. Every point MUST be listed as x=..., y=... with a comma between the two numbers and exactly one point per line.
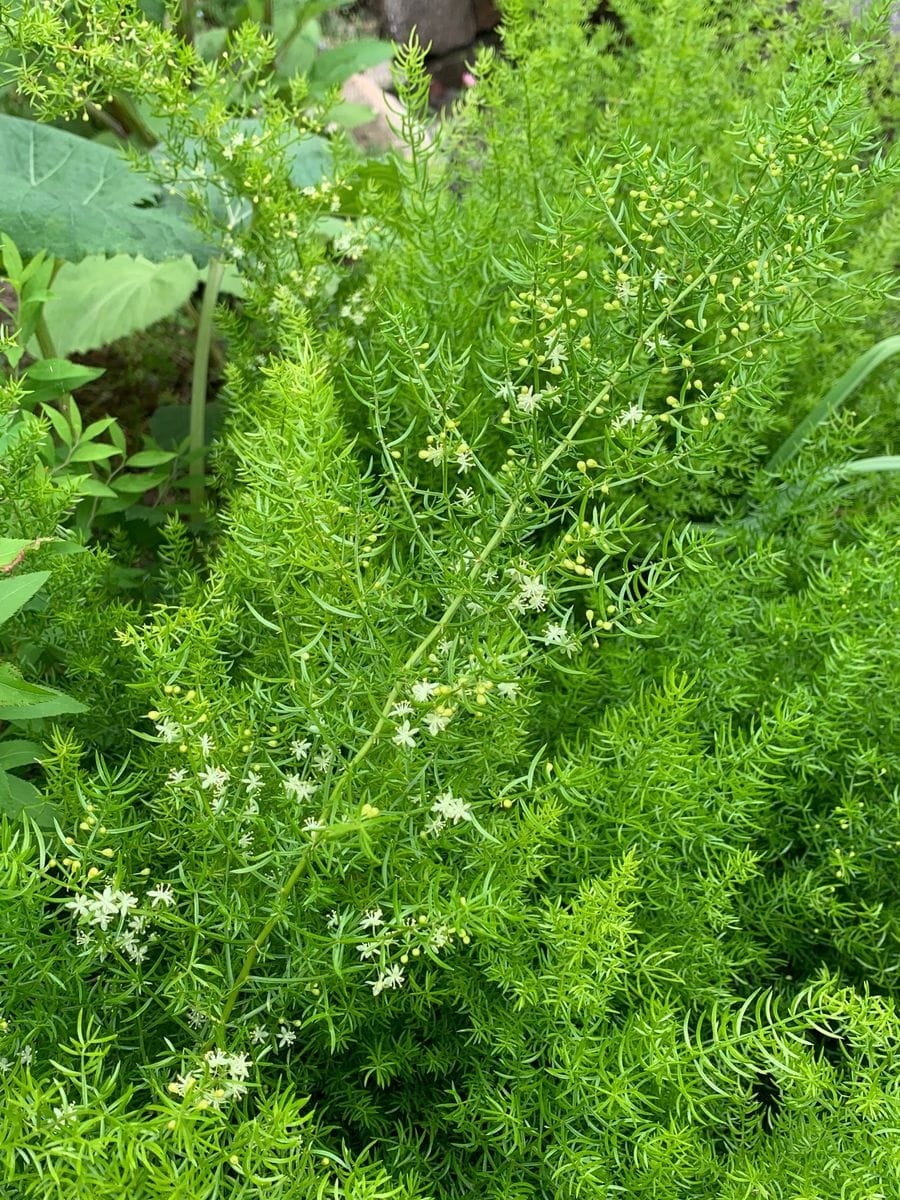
x=142, y=372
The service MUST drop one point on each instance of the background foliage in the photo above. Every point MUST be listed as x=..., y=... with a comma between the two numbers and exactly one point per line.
x=499, y=797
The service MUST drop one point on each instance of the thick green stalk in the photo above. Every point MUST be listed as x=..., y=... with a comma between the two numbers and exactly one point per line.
x=41, y=332
x=200, y=379
x=44, y=340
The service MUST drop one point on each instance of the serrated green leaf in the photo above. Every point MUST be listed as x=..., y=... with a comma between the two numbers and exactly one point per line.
x=18, y=590
x=18, y=691
x=148, y=514
x=21, y=700
x=74, y=197
x=99, y=300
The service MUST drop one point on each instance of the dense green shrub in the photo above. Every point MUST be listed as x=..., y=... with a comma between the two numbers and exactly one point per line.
x=514, y=813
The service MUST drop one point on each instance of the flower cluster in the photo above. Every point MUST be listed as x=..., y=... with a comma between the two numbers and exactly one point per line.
x=448, y=447
x=449, y=809
x=391, y=945
x=110, y=913
x=222, y=1076
x=532, y=592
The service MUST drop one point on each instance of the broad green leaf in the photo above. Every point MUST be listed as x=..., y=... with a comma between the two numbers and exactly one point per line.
x=60, y=370
x=332, y=67
x=74, y=415
x=834, y=398
x=298, y=42
x=170, y=423
x=74, y=197
x=330, y=227
x=97, y=427
x=36, y=277
x=17, y=753
x=137, y=484
x=12, y=260
x=209, y=43
x=310, y=161
x=150, y=458
x=50, y=378
x=93, y=487
x=19, y=798
x=348, y=115
x=17, y=590
x=88, y=452
x=117, y=505
x=154, y=9
x=232, y=282
x=117, y=437
x=380, y=173
x=59, y=423
x=60, y=546
x=99, y=300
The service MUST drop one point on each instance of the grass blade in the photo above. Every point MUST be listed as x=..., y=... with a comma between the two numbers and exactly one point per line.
x=835, y=397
